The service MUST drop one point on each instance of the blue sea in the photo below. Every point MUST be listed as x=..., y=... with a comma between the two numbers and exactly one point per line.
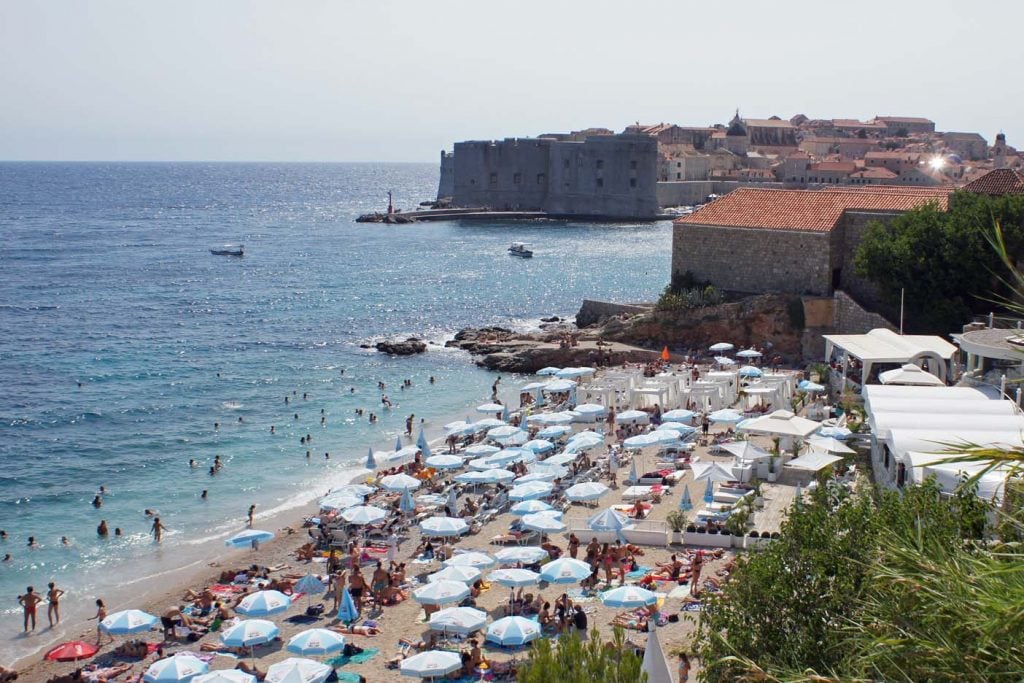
x=123, y=341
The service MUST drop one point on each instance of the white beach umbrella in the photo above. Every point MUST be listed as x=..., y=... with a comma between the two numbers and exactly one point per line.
x=528, y=554
x=472, y=558
x=444, y=462
x=544, y=523
x=475, y=478
x=632, y=417
x=316, y=641
x=539, y=445
x=724, y=361
x=297, y=670
x=584, y=441
x=533, y=489
x=513, y=631
x=399, y=482
x=497, y=475
x=455, y=573
x=609, y=519
x=443, y=526
x=565, y=570
x=441, y=593
x=721, y=347
x=364, y=514
x=535, y=476
x=590, y=409
x=679, y=414
x=563, y=458
x=528, y=507
x=586, y=491
x=459, y=620
x=748, y=353
x=264, y=603
x=225, y=676
x=515, y=577
x=560, y=385
x=430, y=664
x=643, y=441
x=725, y=415
x=335, y=501
x=548, y=467
x=180, y=667
x=679, y=427
x=249, y=633
x=358, y=490
x=481, y=450
x=487, y=423
x=628, y=596
x=128, y=621
x=490, y=408
x=503, y=432
x=550, y=370
x=554, y=432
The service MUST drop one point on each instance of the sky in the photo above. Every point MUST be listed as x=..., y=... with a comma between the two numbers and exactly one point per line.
x=394, y=80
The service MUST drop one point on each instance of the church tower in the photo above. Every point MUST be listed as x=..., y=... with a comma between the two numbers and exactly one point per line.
x=999, y=151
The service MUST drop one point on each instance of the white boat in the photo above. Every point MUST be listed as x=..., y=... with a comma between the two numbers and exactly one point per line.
x=229, y=250
x=519, y=249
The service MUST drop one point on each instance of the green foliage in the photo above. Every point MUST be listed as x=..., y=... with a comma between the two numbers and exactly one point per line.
x=686, y=299
x=795, y=311
x=793, y=606
x=575, y=661
x=676, y=520
x=943, y=260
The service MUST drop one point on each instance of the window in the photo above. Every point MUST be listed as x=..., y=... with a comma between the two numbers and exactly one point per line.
x=565, y=163
x=632, y=165
x=494, y=179
x=679, y=164
x=517, y=178
x=600, y=163
x=600, y=182
x=679, y=176
x=541, y=178
x=632, y=182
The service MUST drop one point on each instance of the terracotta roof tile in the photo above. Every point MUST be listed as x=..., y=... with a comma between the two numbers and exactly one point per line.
x=998, y=182
x=807, y=210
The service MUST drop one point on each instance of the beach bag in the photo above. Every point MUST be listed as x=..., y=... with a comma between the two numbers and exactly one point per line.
x=351, y=650
x=315, y=610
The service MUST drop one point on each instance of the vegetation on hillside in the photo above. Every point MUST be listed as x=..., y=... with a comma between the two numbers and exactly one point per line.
x=943, y=260
x=686, y=292
x=575, y=661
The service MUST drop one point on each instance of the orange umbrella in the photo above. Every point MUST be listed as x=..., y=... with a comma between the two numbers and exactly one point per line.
x=71, y=651
x=664, y=354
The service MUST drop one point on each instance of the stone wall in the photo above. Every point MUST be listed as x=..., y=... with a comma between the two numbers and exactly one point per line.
x=446, y=183
x=852, y=318
x=593, y=311
x=849, y=233
x=753, y=260
x=689, y=192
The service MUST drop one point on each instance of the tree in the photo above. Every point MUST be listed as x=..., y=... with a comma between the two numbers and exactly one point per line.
x=575, y=661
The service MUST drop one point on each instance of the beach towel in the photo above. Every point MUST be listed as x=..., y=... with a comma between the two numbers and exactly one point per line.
x=680, y=591
x=637, y=573
x=692, y=607
x=364, y=656
x=302, y=619
x=348, y=677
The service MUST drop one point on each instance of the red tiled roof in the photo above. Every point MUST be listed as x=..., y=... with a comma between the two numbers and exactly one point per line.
x=903, y=119
x=880, y=173
x=835, y=166
x=767, y=123
x=805, y=210
x=998, y=182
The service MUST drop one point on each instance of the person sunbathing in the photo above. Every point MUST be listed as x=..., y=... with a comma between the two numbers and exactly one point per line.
x=132, y=649
x=97, y=674
x=358, y=630
x=305, y=553
x=251, y=670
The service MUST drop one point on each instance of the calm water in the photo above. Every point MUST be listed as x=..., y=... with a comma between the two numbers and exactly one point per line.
x=106, y=279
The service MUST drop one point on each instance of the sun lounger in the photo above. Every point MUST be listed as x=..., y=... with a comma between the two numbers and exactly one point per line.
x=729, y=497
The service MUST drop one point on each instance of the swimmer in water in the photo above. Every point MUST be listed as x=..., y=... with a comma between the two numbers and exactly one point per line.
x=327, y=456
x=302, y=440
x=148, y=512
x=97, y=502
x=352, y=390
x=79, y=385
x=216, y=461
x=64, y=540
x=305, y=396
x=103, y=490
x=307, y=454
x=32, y=542
x=3, y=535
x=271, y=429
x=191, y=463
x=101, y=530
x=296, y=416
x=431, y=379
x=240, y=418
x=216, y=425
x=203, y=494
x=286, y=400
x=8, y=558
x=323, y=420
x=213, y=471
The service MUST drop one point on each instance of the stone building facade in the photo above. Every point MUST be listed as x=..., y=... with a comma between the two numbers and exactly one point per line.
x=603, y=176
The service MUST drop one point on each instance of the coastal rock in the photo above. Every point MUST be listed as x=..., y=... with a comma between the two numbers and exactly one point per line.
x=551, y=319
x=409, y=347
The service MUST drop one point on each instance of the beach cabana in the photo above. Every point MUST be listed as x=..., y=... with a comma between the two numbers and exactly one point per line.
x=879, y=348
x=781, y=423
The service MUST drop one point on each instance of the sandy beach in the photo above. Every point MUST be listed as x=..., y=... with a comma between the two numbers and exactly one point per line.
x=406, y=620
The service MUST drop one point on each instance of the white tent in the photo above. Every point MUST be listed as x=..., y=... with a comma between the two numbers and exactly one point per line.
x=895, y=391
x=746, y=450
x=949, y=475
x=910, y=374
x=932, y=406
x=713, y=471
x=884, y=423
x=814, y=461
x=781, y=423
x=906, y=440
x=885, y=346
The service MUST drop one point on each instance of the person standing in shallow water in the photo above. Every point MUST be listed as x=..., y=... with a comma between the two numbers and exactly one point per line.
x=28, y=601
x=53, y=609
x=158, y=529
x=252, y=514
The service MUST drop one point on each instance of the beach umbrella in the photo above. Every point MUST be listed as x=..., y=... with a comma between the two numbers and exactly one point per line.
x=399, y=482
x=71, y=651
x=249, y=537
x=584, y=441
x=548, y=371
x=539, y=445
x=180, y=667
x=444, y=462
x=455, y=573
x=654, y=663
x=347, y=611
x=628, y=596
x=515, y=578
x=709, y=491
x=406, y=504
x=421, y=441
x=513, y=631
x=470, y=559
x=748, y=353
x=721, y=347
x=811, y=387
x=297, y=670
x=443, y=526
x=453, y=499
x=679, y=415
x=459, y=427
x=711, y=471
x=543, y=522
x=554, y=432
x=490, y=408
x=633, y=475
x=840, y=433
x=609, y=519
x=560, y=385
x=590, y=409
x=364, y=514
x=665, y=354
x=685, y=504
x=504, y=414
x=665, y=436
x=310, y=585
x=249, y=633
x=829, y=445
x=565, y=570
x=516, y=439
x=724, y=361
x=782, y=423
x=749, y=371
x=726, y=415
x=128, y=621
x=528, y=507
x=532, y=489
x=643, y=441
x=558, y=459
x=441, y=593
x=528, y=554
x=458, y=620
x=510, y=455
x=586, y=491
x=398, y=443
x=497, y=476
x=335, y=501
x=360, y=490
x=548, y=467
x=535, y=476
x=264, y=603
x=430, y=664
x=488, y=423
x=475, y=478
x=371, y=464
x=632, y=417
x=481, y=464
x=225, y=676
x=316, y=641
x=481, y=450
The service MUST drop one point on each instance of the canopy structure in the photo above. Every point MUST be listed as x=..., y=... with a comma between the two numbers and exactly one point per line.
x=910, y=374
x=881, y=346
x=781, y=423
x=949, y=475
x=814, y=461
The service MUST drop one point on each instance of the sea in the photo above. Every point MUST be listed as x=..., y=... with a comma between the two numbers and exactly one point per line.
x=127, y=349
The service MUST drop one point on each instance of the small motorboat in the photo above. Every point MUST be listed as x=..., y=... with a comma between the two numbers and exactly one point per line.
x=519, y=249
x=229, y=250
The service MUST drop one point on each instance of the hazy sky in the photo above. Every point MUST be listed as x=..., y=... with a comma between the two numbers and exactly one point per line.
x=363, y=80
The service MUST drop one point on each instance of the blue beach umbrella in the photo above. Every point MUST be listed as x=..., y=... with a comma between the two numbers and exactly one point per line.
x=430, y=664
x=513, y=631
x=371, y=464
x=539, y=445
x=709, y=492
x=628, y=596
x=523, y=554
x=180, y=667
x=443, y=526
x=316, y=641
x=472, y=558
x=685, y=503
x=249, y=537
x=406, y=504
x=565, y=570
x=633, y=477
x=398, y=443
x=264, y=603
x=249, y=633
x=608, y=520
x=347, y=611
x=497, y=476
x=504, y=414
x=128, y=621
x=310, y=585
x=441, y=593
x=458, y=620
x=554, y=432
x=421, y=441
x=749, y=371
x=528, y=507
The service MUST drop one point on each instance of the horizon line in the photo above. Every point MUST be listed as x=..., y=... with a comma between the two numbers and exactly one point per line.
x=201, y=161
